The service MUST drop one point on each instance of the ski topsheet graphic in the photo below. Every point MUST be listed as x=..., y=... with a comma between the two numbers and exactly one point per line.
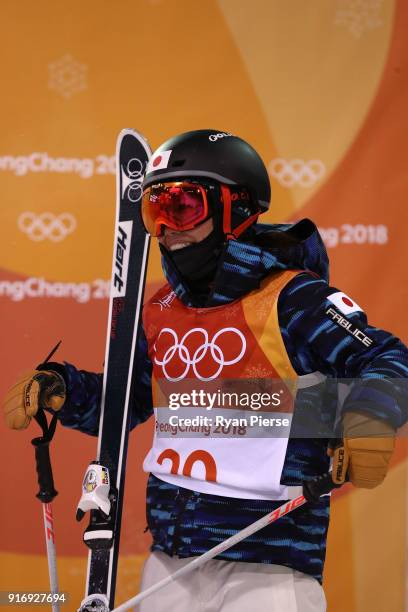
x=103, y=485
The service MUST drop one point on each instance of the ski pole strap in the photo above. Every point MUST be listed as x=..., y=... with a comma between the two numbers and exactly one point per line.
x=56, y=347
x=322, y=485
x=41, y=445
x=48, y=430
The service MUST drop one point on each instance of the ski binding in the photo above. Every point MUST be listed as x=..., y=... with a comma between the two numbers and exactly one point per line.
x=99, y=497
x=94, y=603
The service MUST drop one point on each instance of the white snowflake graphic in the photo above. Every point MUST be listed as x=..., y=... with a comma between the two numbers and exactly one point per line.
x=67, y=76
x=264, y=308
x=358, y=16
x=257, y=371
x=151, y=331
x=261, y=309
x=231, y=312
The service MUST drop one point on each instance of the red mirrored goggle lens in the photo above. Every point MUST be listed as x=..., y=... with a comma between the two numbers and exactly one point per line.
x=179, y=205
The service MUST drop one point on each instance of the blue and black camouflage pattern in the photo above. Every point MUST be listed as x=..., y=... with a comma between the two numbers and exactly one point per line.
x=187, y=523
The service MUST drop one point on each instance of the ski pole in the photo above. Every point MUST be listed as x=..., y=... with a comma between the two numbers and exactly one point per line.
x=47, y=490
x=46, y=494
x=312, y=490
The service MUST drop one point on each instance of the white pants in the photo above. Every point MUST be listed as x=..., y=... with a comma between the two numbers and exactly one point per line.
x=229, y=586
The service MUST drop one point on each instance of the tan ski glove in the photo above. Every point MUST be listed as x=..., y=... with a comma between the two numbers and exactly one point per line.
x=368, y=444
x=34, y=389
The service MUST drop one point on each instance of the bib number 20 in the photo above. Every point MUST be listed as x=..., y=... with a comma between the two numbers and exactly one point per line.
x=198, y=455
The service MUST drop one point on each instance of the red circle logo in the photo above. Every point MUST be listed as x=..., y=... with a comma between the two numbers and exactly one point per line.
x=157, y=161
x=347, y=301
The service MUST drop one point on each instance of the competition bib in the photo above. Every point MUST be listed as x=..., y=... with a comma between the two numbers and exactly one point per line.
x=223, y=393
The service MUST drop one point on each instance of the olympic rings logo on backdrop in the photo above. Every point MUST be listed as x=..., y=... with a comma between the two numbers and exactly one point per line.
x=47, y=225
x=207, y=347
x=297, y=171
x=132, y=178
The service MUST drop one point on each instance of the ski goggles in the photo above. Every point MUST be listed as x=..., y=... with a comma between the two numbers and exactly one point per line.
x=180, y=205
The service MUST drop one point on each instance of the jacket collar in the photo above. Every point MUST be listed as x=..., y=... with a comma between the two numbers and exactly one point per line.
x=243, y=264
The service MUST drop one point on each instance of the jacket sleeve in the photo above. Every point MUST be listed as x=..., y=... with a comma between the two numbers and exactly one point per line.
x=321, y=334
x=81, y=409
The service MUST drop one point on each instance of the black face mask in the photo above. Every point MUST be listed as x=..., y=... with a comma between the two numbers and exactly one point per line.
x=197, y=263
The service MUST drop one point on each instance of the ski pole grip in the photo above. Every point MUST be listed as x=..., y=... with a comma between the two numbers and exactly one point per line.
x=313, y=489
x=47, y=491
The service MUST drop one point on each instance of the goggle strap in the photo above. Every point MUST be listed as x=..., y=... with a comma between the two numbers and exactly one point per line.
x=226, y=217
x=243, y=226
x=226, y=221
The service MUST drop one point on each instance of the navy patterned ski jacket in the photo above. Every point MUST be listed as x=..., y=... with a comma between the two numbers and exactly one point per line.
x=187, y=523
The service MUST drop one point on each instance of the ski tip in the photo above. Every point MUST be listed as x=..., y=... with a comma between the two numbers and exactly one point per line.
x=134, y=132
x=142, y=139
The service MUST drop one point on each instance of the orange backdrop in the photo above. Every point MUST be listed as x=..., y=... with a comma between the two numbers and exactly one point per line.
x=320, y=89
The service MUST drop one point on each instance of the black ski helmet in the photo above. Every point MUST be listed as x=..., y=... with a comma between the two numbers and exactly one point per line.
x=214, y=155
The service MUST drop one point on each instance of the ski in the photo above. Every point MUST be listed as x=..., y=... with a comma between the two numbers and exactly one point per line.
x=103, y=485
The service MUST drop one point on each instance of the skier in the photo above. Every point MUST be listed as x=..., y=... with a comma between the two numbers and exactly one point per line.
x=243, y=301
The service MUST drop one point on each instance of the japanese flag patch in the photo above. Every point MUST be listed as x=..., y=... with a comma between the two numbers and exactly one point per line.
x=343, y=303
x=158, y=161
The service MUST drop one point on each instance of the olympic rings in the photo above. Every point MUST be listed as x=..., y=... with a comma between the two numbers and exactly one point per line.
x=199, y=354
x=46, y=225
x=297, y=171
x=133, y=178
